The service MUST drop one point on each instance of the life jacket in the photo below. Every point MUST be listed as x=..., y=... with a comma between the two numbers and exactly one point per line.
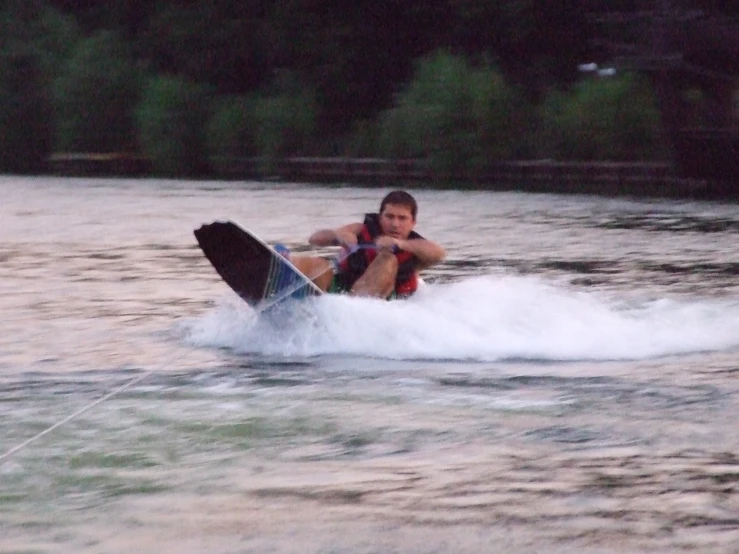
x=354, y=265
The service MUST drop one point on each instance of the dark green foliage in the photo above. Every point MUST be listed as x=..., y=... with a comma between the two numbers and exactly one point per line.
x=219, y=42
x=455, y=116
x=171, y=121
x=95, y=96
x=121, y=16
x=25, y=136
x=300, y=77
x=55, y=36
x=285, y=118
x=602, y=119
x=232, y=128
x=31, y=39
x=32, y=25
x=362, y=141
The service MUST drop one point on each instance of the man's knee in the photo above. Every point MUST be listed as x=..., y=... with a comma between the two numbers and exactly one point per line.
x=379, y=279
x=386, y=259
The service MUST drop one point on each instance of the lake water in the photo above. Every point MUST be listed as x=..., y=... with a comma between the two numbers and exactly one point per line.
x=566, y=382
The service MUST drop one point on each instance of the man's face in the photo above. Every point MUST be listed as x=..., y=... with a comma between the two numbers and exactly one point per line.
x=396, y=221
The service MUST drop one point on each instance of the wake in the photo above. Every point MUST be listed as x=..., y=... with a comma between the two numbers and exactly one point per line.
x=477, y=319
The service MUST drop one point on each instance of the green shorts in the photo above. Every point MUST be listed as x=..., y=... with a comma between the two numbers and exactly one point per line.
x=337, y=285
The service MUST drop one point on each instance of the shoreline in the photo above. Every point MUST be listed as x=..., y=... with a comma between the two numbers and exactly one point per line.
x=640, y=179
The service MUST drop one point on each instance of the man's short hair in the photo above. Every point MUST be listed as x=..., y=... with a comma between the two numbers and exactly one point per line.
x=400, y=198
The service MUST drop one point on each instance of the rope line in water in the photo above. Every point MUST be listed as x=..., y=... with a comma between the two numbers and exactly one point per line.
x=78, y=413
x=143, y=376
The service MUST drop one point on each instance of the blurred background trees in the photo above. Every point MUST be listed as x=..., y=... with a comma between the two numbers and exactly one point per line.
x=185, y=82
x=94, y=94
x=615, y=118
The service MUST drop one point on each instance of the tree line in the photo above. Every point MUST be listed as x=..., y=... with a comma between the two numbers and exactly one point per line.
x=186, y=83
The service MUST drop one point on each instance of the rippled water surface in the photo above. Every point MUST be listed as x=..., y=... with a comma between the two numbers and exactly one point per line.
x=567, y=379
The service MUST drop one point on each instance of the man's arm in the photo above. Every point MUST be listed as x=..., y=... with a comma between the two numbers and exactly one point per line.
x=343, y=236
x=428, y=252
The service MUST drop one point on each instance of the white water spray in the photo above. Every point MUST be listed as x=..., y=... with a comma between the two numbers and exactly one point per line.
x=478, y=319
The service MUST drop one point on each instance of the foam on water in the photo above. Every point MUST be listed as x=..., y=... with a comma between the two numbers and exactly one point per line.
x=477, y=319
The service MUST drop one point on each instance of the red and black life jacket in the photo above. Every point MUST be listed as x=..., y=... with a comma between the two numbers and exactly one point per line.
x=354, y=265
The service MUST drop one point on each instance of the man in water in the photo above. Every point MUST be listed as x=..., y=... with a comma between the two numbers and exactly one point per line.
x=382, y=256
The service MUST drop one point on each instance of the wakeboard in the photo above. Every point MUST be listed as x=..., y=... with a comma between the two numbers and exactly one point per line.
x=254, y=270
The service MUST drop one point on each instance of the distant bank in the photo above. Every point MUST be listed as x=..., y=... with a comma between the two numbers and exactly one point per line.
x=647, y=179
